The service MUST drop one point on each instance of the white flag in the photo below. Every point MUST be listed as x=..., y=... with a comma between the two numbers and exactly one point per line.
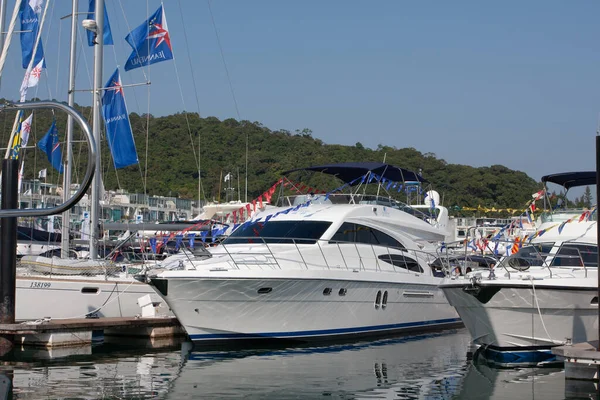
x=227, y=177
x=42, y=173
x=21, y=176
x=31, y=79
x=25, y=130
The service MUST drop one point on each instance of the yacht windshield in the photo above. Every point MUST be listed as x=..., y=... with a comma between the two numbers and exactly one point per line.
x=532, y=254
x=304, y=232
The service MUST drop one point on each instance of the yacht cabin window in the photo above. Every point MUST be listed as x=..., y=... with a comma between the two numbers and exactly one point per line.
x=572, y=254
x=301, y=232
x=401, y=261
x=534, y=254
x=357, y=233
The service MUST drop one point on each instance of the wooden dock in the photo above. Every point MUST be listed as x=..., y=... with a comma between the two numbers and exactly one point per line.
x=84, y=331
x=582, y=368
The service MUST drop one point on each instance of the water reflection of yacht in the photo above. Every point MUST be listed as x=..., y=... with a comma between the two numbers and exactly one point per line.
x=86, y=373
x=485, y=382
x=414, y=367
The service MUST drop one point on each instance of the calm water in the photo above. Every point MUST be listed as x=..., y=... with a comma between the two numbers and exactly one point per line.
x=434, y=366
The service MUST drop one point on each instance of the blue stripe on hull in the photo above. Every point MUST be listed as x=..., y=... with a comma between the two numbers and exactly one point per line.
x=324, y=332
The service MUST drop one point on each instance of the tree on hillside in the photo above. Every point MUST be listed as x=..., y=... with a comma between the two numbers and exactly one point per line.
x=586, y=199
x=175, y=149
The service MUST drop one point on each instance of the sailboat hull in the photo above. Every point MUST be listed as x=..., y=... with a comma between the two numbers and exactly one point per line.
x=39, y=297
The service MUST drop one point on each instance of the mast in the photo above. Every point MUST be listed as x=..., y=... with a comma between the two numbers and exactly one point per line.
x=66, y=217
x=2, y=22
x=96, y=103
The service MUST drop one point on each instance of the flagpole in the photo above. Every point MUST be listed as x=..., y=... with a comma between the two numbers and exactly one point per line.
x=29, y=68
x=66, y=217
x=98, y=53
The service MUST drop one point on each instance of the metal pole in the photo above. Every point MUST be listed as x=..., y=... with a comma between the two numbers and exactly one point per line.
x=8, y=250
x=2, y=22
x=598, y=219
x=98, y=50
x=66, y=217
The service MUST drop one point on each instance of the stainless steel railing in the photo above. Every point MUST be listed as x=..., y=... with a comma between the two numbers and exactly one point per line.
x=89, y=172
x=281, y=253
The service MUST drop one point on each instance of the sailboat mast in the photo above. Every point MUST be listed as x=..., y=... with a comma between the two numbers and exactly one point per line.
x=2, y=22
x=96, y=104
x=66, y=217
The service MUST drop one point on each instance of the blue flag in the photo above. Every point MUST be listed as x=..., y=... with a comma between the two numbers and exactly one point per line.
x=50, y=145
x=116, y=120
x=191, y=237
x=178, y=241
x=150, y=41
x=107, y=33
x=153, y=244
x=30, y=12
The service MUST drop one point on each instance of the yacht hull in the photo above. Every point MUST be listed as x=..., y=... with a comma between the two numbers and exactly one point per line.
x=301, y=308
x=40, y=297
x=517, y=322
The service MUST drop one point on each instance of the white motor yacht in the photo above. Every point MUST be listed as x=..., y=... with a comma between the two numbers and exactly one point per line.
x=545, y=295
x=325, y=267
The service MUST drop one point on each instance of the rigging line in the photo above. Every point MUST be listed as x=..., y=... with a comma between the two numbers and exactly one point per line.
x=145, y=180
x=185, y=113
x=77, y=160
x=9, y=35
x=129, y=30
x=59, y=57
x=114, y=46
x=187, y=47
x=47, y=80
x=106, y=132
x=237, y=110
x=118, y=26
x=223, y=59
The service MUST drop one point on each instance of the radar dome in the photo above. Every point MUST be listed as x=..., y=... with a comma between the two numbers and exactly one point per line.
x=432, y=197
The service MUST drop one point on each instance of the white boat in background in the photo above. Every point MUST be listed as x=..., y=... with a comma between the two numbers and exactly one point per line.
x=328, y=267
x=543, y=296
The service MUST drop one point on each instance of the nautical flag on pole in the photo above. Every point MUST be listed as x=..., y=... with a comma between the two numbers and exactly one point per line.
x=150, y=41
x=50, y=145
x=30, y=13
x=21, y=137
x=31, y=79
x=108, y=40
x=152, y=242
x=116, y=120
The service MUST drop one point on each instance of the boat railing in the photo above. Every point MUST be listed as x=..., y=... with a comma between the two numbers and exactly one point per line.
x=302, y=253
x=551, y=262
x=339, y=198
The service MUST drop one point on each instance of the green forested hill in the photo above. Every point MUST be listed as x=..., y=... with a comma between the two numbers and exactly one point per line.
x=173, y=150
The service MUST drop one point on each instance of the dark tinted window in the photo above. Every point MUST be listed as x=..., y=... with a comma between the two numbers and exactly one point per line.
x=305, y=232
x=356, y=233
x=401, y=261
x=571, y=255
x=535, y=254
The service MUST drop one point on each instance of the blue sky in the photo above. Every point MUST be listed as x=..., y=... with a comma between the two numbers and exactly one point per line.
x=476, y=83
